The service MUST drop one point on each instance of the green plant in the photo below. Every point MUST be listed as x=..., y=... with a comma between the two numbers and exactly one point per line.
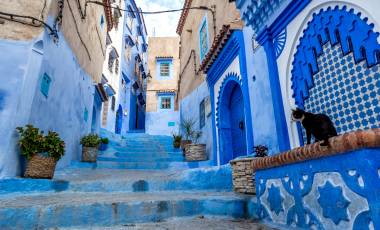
x=187, y=126
x=54, y=146
x=177, y=138
x=90, y=140
x=196, y=136
x=105, y=140
x=31, y=141
x=260, y=151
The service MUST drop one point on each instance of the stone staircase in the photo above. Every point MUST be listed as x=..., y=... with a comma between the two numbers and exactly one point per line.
x=138, y=179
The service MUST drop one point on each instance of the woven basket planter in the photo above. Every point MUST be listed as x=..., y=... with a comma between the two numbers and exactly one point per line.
x=195, y=152
x=243, y=177
x=40, y=167
x=89, y=154
x=184, y=143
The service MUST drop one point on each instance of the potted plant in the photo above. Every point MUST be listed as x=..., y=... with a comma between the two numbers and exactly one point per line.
x=90, y=144
x=177, y=139
x=260, y=151
x=195, y=151
x=42, y=152
x=187, y=127
x=104, y=144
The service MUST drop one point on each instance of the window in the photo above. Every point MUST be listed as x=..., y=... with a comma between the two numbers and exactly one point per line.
x=203, y=39
x=164, y=68
x=113, y=102
x=166, y=103
x=102, y=22
x=202, y=114
x=45, y=85
x=117, y=66
x=110, y=62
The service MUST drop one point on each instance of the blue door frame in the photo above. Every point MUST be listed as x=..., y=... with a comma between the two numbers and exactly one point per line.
x=233, y=48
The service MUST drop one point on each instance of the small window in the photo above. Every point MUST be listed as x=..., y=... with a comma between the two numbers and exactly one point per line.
x=202, y=114
x=203, y=39
x=164, y=69
x=113, y=102
x=117, y=66
x=111, y=60
x=166, y=103
x=102, y=22
x=45, y=85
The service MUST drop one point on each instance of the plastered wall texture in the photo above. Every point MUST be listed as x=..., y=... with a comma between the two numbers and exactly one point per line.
x=72, y=70
x=161, y=47
x=226, y=13
x=89, y=30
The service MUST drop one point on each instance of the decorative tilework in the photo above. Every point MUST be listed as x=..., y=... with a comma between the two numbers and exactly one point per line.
x=347, y=92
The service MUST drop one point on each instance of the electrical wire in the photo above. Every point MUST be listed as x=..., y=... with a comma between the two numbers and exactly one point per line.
x=150, y=12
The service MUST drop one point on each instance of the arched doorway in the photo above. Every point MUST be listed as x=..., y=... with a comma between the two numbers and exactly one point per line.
x=119, y=120
x=232, y=128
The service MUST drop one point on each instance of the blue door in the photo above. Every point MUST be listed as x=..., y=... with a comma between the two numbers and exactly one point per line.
x=237, y=117
x=119, y=120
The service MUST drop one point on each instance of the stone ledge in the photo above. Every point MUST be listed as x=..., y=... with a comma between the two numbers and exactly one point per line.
x=337, y=145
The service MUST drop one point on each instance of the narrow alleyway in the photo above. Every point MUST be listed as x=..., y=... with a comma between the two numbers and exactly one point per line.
x=138, y=179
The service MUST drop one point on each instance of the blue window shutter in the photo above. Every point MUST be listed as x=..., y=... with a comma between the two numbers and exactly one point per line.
x=45, y=84
x=202, y=115
x=203, y=39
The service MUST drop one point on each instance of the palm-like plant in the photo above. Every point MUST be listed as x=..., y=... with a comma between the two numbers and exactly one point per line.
x=187, y=126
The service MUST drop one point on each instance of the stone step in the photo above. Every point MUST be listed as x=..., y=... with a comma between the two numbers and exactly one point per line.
x=142, y=159
x=104, y=180
x=147, y=154
x=199, y=222
x=41, y=211
x=146, y=165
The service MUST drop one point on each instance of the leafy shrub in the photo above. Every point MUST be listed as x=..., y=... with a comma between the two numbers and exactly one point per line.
x=54, y=146
x=91, y=140
x=260, y=151
x=32, y=141
x=105, y=140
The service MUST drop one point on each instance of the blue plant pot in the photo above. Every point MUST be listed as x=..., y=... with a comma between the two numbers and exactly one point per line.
x=103, y=147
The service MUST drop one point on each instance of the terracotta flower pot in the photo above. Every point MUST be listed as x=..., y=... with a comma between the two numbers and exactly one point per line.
x=195, y=152
x=40, y=167
x=89, y=154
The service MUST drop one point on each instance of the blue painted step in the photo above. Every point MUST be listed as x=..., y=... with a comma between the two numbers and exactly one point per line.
x=107, y=209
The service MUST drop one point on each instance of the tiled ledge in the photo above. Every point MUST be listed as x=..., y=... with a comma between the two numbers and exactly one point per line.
x=337, y=145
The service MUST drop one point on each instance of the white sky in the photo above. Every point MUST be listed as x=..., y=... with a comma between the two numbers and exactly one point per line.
x=163, y=24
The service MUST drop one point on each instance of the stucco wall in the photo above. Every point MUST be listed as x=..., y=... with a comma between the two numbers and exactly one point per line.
x=294, y=31
x=74, y=29
x=16, y=31
x=226, y=13
x=71, y=92
x=189, y=108
x=161, y=47
x=263, y=119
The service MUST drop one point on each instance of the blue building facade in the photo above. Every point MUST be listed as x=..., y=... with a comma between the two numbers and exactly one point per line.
x=125, y=71
x=46, y=85
x=323, y=57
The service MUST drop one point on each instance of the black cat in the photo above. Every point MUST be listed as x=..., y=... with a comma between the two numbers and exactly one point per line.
x=318, y=125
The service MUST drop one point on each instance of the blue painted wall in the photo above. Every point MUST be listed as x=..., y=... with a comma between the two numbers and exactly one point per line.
x=336, y=192
x=263, y=118
x=189, y=108
x=71, y=93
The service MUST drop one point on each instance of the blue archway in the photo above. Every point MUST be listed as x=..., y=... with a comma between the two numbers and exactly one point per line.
x=231, y=120
x=119, y=120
